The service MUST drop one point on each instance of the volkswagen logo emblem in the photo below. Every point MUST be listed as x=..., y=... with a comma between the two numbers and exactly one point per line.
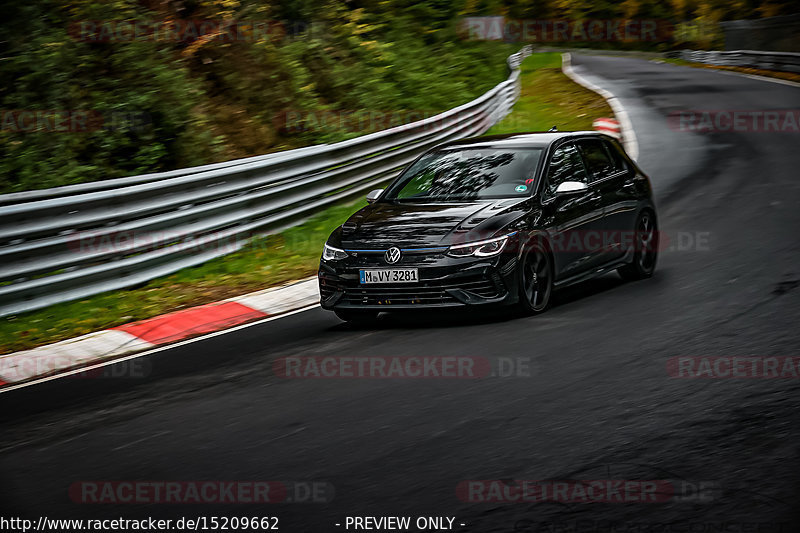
x=392, y=255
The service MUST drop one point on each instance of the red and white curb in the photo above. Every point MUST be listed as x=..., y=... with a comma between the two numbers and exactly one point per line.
x=609, y=126
x=629, y=140
x=115, y=343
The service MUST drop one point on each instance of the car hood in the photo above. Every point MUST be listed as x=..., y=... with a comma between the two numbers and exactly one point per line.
x=417, y=225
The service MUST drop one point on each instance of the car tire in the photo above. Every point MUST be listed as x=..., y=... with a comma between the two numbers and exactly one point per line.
x=356, y=315
x=645, y=253
x=535, y=280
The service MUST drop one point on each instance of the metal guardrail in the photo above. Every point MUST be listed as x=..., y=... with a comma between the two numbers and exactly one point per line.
x=71, y=242
x=780, y=61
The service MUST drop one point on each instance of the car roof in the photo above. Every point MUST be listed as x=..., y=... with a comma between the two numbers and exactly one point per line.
x=526, y=139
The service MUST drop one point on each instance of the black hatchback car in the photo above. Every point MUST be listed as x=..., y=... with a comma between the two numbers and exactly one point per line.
x=493, y=220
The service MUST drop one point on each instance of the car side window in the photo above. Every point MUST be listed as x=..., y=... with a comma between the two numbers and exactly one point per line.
x=597, y=159
x=620, y=164
x=565, y=165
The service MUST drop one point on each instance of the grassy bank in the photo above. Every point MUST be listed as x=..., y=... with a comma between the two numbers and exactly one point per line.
x=548, y=97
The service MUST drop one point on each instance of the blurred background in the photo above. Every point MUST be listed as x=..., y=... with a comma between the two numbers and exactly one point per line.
x=170, y=101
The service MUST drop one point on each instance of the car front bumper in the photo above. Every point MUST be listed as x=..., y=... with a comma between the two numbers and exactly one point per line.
x=443, y=282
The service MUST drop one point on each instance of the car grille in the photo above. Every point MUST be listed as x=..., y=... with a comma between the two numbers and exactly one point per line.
x=424, y=293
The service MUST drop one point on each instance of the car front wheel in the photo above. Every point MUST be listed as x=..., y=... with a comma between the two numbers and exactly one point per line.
x=536, y=280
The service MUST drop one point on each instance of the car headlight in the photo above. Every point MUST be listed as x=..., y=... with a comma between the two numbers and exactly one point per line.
x=485, y=248
x=331, y=253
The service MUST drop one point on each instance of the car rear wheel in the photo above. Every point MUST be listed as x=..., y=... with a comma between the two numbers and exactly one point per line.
x=646, y=249
x=536, y=281
x=356, y=315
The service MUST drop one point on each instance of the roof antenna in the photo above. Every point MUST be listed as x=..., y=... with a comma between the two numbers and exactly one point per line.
x=554, y=128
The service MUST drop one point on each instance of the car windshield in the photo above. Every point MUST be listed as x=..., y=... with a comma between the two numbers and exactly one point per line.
x=468, y=174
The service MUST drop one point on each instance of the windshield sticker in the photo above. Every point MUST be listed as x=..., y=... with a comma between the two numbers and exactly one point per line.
x=521, y=188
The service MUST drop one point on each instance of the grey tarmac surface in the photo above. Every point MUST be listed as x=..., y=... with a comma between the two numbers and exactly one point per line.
x=598, y=403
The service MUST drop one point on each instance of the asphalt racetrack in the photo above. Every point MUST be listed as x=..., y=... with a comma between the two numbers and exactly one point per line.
x=590, y=396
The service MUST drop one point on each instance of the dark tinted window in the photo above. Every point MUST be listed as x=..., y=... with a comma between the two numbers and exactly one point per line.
x=616, y=156
x=565, y=165
x=467, y=174
x=597, y=159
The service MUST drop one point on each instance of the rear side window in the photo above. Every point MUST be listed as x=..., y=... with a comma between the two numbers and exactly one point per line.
x=617, y=157
x=597, y=159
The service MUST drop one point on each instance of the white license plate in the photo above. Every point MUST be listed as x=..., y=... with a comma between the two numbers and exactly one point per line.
x=389, y=275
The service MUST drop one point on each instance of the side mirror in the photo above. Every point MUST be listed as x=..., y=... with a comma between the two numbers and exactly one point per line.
x=373, y=195
x=571, y=187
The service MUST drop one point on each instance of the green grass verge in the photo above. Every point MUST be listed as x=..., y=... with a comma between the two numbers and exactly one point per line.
x=548, y=97
x=266, y=261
